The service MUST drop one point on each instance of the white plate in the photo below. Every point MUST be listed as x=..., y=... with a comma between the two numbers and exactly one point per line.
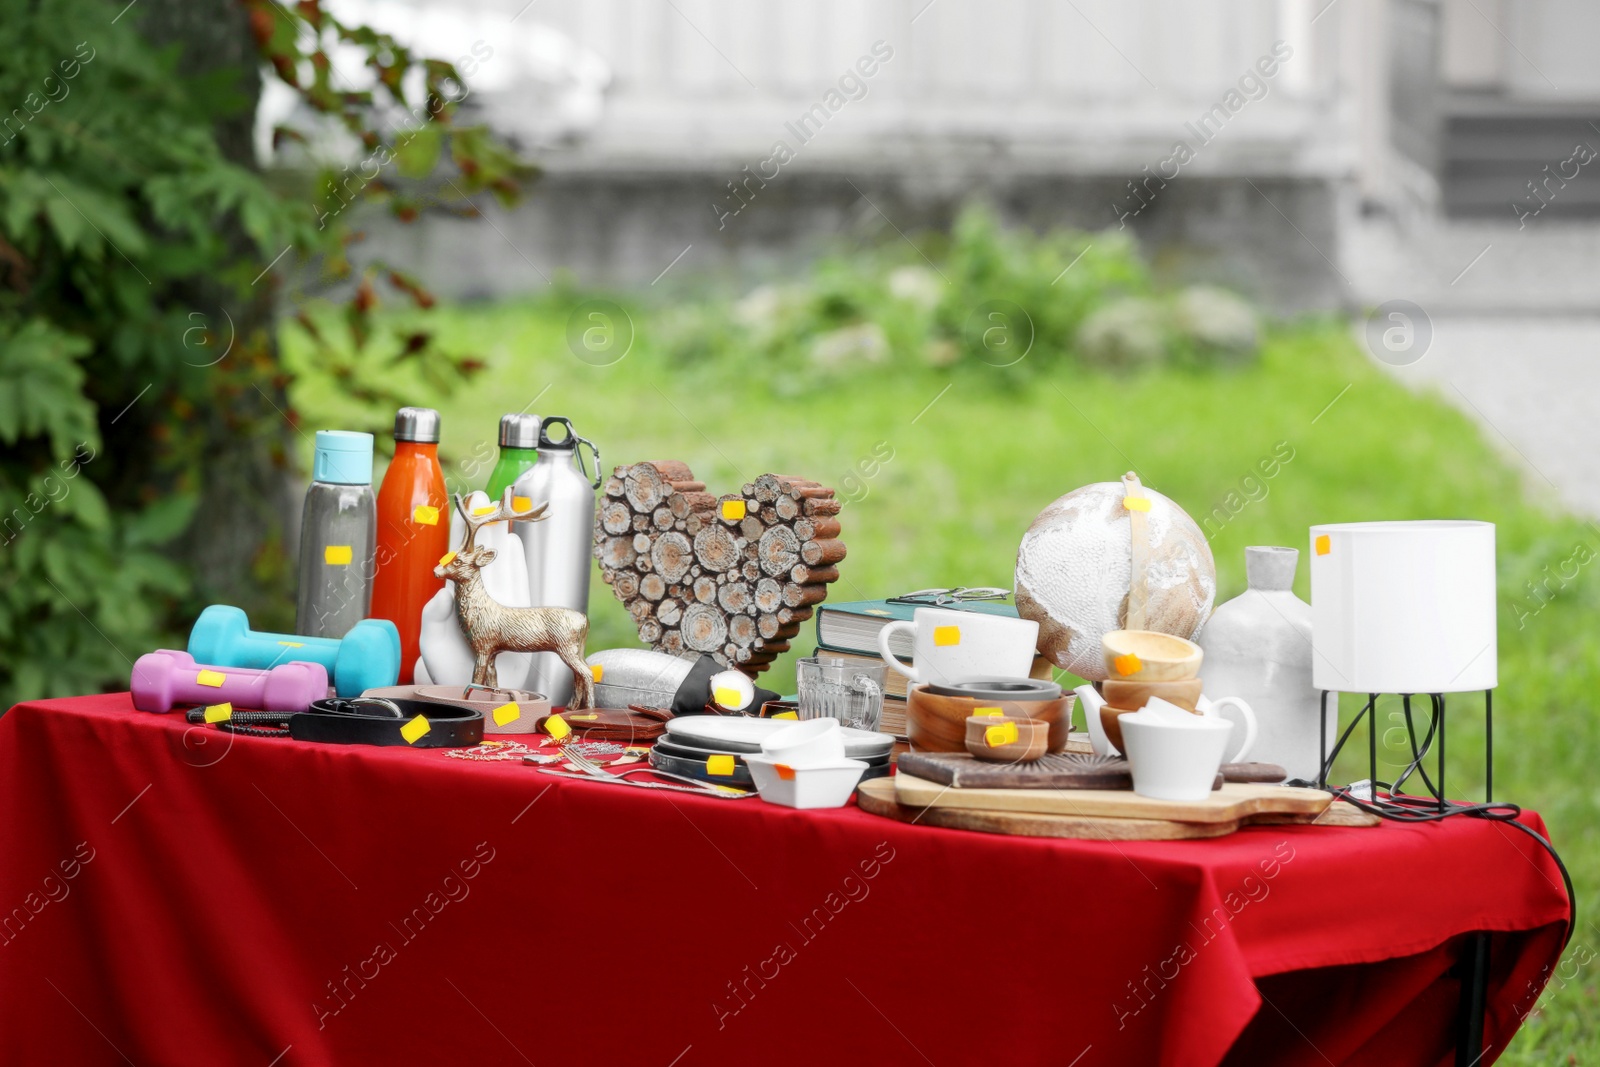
x=740, y=734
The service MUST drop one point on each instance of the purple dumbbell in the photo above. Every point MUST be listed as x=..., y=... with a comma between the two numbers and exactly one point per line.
x=166, y=678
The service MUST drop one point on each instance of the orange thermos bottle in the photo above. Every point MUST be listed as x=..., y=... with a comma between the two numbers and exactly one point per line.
x=413, y=530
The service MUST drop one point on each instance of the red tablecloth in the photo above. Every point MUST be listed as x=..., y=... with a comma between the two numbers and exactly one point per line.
x=243, y=901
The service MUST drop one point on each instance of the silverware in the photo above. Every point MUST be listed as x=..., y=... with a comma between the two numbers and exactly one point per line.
x=707, y=789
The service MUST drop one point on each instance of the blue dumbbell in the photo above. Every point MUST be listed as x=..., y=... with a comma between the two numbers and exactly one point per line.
x=368, y=657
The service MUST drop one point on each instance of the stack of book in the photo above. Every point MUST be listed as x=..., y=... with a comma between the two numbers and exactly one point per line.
x=850, y=632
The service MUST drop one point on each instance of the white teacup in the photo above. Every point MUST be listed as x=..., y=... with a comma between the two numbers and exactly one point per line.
x=948, y=646
x=1173, y=759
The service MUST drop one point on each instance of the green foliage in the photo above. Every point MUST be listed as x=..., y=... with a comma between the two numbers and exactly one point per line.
x=984, y=296
x=136, y=342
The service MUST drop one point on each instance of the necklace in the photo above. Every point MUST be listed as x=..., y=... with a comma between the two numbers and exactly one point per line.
x=490, y=751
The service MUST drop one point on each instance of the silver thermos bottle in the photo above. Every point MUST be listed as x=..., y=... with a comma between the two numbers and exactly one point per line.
x=559, y=546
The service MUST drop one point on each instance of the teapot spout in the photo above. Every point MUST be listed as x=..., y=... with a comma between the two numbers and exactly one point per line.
x=1091, y=701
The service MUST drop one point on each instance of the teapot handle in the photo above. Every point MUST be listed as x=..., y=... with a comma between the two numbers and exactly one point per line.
x=1249, y=717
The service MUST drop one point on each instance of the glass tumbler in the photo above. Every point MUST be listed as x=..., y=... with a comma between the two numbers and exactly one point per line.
x=841, y=689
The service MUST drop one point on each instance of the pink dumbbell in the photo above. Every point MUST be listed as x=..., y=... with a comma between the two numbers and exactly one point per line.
x=166, y=678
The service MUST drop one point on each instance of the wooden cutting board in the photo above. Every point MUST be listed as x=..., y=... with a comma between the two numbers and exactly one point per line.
x=1065, y=770
x=877, y=797
x=1232, y=802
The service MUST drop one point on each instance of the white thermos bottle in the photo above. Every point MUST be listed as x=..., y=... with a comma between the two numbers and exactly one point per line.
x=559, y=546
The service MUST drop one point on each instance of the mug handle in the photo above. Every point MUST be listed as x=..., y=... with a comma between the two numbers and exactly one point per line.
x=889, y=657
x=1246, y=714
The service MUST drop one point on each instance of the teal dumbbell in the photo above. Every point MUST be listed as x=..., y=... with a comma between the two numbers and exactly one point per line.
x=368, y=657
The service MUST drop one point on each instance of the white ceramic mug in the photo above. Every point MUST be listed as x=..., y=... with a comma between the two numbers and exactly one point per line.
x=1174, y=760
x=948, y=646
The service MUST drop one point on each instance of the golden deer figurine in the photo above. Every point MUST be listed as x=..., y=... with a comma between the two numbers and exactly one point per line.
x=491, y=627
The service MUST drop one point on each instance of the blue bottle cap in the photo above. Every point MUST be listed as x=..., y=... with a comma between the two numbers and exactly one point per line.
x=343, y=457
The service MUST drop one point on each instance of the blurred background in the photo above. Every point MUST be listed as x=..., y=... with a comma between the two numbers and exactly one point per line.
x=952, y=258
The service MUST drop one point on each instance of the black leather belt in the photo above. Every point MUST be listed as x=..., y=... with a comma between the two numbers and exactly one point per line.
x=346, y=722
x=362, y=721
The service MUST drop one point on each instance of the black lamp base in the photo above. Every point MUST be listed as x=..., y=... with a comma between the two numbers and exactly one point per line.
x=1434, y=737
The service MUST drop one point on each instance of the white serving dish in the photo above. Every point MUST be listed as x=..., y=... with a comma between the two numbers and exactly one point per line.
x=818, y=786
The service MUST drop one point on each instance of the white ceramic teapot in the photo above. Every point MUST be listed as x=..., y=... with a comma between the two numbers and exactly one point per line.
x=1091, y=701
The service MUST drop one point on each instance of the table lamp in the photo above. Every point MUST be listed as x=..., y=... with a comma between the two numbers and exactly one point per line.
x=1405, y=608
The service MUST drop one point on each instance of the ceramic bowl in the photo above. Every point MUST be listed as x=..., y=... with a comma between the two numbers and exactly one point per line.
x=812, y=741
x=936, y=723
x=1148, y=656
x=818, y=786
x=1131, y=696
x=1033, y=738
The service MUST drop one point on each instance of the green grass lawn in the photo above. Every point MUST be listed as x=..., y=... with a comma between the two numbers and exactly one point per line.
x=977, y=451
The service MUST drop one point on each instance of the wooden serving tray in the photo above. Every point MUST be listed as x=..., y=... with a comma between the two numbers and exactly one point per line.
x=878, y=797
x=1232, y=802
x=1064, y=770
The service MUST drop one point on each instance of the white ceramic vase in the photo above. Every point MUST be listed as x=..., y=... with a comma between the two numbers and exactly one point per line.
x=1258, y=647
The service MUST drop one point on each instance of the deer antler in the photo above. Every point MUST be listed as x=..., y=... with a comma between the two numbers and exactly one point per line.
x=477, y=518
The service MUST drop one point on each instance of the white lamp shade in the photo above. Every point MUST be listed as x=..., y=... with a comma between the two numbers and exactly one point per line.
x=1403, y=607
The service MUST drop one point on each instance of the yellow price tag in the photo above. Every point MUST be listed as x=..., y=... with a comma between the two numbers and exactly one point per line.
x=212, y=678
x=219, y=712
x=598, y=670
x=292, y=644
x=487, y=509
x=947, y=635
x=719, y=765
x=1127, y=664
x=557, y=727
x=1324, y=544
x=733, y=510
x=425, y=514
x=413, y=730
x=728, y=697
x=590, y=717
x=988, y=713
x=1004, y=734
x=506, y=713
x=1136, y=503
x=444, y=560
x=337, y=555
x=786, y=715
x=521, y=503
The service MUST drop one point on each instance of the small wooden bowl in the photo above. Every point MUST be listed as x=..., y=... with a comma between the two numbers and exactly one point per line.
x=1033, y=737
x=1131, y=696
x=937, y=723
x=1149, y=656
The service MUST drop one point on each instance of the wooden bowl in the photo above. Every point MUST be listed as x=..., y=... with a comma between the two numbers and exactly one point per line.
x=939, y=723
x=1148, y=656
x=1033, y=737
x=1131, y=696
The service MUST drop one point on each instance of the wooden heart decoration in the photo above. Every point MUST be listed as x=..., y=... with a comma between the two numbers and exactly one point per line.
x=731, y=576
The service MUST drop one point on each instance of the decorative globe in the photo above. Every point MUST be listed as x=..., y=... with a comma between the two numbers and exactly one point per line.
x=1075, y=567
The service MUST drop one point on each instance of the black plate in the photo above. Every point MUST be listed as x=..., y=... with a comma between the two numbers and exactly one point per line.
x=696, y=769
